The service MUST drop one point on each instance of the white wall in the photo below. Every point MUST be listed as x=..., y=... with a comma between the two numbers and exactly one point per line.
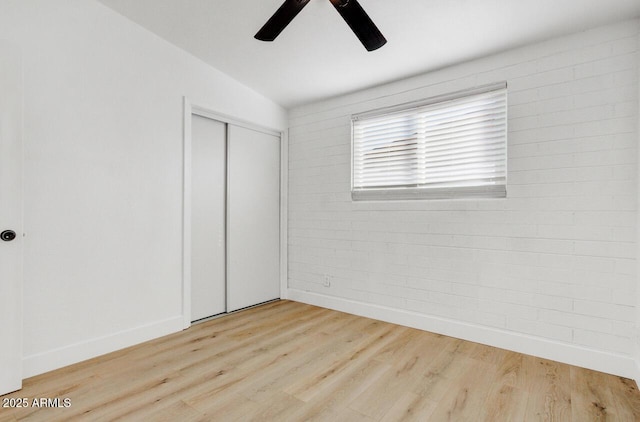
x=103, y=175
x=551, y=270
x=637, y=331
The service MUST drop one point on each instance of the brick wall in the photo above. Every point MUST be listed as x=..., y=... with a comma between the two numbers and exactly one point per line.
x=555, y=260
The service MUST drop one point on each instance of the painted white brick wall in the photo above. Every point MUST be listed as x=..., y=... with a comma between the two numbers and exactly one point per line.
x=630, y=268
x=555, y=260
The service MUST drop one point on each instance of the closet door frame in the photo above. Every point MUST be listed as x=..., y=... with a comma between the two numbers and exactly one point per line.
x=203, y=111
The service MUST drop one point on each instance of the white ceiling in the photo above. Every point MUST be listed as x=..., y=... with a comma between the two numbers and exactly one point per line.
x=317, y=55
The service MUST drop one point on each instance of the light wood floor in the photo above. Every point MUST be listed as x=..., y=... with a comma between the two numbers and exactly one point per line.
x=287, y=361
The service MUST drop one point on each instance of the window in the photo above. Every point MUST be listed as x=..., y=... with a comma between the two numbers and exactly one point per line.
x=453, y=146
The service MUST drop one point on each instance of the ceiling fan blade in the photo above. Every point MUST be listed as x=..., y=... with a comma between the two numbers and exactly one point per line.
x=360, y=23
x=283, y=16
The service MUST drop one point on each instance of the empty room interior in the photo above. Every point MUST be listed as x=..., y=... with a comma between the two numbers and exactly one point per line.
x=331, y=210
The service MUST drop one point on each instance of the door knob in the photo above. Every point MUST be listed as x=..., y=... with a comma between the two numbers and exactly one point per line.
x=8, y=235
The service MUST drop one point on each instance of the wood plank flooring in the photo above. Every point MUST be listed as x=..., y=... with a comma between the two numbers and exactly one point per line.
x=287, y=361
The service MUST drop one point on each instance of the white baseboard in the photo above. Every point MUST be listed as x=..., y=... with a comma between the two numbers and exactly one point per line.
x=78, y=352
x=636, y=373
x=548, y=349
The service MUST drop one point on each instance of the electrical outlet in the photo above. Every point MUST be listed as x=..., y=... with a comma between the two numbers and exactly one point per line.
x=327, y=281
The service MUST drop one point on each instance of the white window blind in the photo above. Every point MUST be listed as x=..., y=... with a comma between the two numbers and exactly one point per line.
x=453, y=146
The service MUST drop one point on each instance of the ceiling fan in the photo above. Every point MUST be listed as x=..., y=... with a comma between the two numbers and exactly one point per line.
x=350, y=10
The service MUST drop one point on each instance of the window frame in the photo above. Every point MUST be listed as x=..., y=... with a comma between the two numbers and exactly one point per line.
x=427, y=193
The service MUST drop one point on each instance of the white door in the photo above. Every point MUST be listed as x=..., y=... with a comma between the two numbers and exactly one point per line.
x=208, y=192
x=10, y=218
x=253, y=218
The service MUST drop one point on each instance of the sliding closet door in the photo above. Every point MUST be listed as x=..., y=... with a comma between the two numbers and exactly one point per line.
x=208, y=192
x=253, y=218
